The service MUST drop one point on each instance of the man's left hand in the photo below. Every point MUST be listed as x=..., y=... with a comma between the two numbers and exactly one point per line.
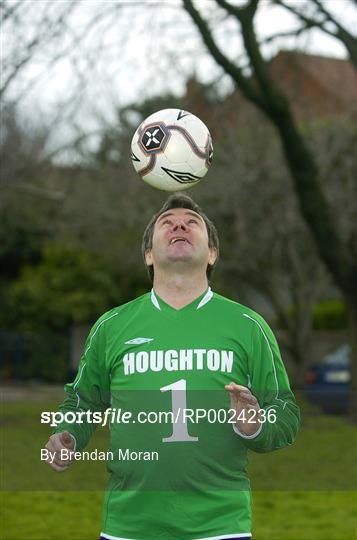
x=246, y=407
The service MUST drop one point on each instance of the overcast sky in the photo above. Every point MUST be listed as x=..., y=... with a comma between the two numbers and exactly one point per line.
x=135, y=50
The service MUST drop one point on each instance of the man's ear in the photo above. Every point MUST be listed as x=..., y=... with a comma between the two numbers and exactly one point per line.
x=212, y=256
x=148, y=258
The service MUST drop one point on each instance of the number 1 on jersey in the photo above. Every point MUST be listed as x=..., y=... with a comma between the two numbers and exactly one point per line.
x=179, y=405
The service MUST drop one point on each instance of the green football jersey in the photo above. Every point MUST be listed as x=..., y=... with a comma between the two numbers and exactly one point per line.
x=179, y=466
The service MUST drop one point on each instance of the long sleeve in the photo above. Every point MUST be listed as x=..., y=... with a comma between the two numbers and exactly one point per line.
x=270, y=385
x=90, y=391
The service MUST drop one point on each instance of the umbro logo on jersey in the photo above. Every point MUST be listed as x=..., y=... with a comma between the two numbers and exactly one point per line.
x=139, y=341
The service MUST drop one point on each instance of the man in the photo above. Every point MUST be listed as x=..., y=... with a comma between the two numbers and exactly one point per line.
x=181, y=349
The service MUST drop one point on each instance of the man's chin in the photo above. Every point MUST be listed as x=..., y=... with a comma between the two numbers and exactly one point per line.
x=181, y=257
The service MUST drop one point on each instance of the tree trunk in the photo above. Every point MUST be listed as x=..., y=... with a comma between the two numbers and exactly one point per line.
x=262, y=90
x=313, y=205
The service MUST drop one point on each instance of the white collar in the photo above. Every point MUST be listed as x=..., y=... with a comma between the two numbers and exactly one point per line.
x=154, y=300
x=207, y=297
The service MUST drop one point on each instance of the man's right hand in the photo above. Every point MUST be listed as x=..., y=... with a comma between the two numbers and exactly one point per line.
x=55, y=444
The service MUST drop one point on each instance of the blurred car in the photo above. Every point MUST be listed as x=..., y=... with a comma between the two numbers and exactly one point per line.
x=328, y=383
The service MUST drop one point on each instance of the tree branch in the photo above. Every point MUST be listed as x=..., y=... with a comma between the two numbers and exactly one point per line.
x=8, y=11
x=349, y=41
x=233, y=70
x=51, y=31
x=248, y=10
x=299, y=158
x=342, y=33
x=287, y=34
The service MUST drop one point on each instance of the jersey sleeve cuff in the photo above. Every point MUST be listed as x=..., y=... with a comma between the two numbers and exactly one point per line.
x=247, y=436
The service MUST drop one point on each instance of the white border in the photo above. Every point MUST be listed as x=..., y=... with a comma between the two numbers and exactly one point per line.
x=224, y=537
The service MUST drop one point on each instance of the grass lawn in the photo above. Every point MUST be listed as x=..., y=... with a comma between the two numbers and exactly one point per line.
x=304, y=491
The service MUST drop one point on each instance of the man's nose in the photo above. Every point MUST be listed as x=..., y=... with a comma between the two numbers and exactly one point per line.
x=179, y=225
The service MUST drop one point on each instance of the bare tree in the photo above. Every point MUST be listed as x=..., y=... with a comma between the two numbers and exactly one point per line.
x=265, y=243
x=25, y=43
x=314, y=14
x=260, y=88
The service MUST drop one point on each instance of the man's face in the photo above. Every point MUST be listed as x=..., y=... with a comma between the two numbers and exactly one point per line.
x=180, y=236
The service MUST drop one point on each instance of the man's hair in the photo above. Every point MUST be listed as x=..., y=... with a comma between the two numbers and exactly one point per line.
x=180, y=201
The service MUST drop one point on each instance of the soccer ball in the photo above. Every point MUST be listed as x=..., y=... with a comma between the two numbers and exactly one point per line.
x=172, y=150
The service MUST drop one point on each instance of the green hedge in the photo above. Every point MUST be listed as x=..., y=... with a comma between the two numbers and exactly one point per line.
x=329, y=315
